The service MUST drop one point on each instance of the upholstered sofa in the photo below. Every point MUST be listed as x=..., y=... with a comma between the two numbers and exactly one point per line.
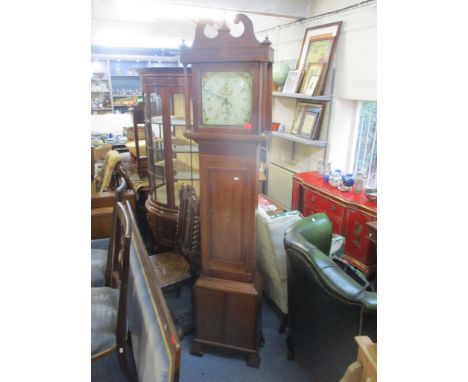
x=327, y=308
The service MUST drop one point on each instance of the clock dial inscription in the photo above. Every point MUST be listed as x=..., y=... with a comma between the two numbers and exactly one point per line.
x=226, y=98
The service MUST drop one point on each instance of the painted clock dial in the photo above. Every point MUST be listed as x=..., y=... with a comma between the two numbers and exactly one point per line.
x=226, y=98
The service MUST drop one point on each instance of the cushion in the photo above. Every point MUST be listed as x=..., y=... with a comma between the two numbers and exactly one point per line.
x=98, y=267
x=100, y=243
x=104, y=307
x=171, y=267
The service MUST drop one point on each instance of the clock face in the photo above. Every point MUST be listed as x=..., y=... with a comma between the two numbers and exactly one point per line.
x=226, y=98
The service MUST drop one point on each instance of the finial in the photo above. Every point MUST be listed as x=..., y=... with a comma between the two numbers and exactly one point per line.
x=266, y=41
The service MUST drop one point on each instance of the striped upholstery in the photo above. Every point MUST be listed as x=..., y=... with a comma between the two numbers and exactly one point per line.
x=104, y=307
x=98, y=261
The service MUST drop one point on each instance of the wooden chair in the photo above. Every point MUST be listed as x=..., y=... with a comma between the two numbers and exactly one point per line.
x=183, y=262
x=147, y=344
x=109, y=305
x=102, y=249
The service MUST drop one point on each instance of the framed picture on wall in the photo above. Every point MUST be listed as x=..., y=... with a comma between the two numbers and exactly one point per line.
x=318, y=47
x=292, y=81
x=311, y=79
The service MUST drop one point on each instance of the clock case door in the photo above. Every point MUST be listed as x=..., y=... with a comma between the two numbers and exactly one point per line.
x=197, y=73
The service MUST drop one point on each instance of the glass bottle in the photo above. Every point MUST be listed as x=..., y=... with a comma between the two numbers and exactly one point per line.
x=327, y=172
x=359, y=182
x=321, y=167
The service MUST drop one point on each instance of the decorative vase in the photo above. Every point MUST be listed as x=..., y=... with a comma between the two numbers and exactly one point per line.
x=348, y=180
x=336, y=179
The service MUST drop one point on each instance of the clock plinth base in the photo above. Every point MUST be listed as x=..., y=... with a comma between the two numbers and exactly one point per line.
x=228, y=315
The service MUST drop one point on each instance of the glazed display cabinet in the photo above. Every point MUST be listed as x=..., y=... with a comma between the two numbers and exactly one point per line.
x=172, y=158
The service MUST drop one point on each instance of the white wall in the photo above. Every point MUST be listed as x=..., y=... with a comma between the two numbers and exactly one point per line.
x=355, y=65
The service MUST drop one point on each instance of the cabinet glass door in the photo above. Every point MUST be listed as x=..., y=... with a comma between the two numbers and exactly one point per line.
x=173, y=159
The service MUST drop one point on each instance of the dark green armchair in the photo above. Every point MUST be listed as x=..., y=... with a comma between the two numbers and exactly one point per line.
x=327, y=308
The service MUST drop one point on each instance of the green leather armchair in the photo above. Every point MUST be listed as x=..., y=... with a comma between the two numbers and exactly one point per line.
x=327, y=308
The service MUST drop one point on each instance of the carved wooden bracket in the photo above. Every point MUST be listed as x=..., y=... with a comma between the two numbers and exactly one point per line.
x=224, y=37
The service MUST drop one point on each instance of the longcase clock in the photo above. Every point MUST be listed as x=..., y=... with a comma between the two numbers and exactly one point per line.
x=231, y=83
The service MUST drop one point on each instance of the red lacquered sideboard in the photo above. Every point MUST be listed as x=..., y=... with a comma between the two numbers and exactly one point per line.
x=348, y=212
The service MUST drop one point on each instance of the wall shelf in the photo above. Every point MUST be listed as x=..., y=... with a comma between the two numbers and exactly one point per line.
x=303, y=96
x=304, y=141
x=289, y=166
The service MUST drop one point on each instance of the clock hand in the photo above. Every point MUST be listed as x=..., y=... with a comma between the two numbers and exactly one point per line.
x=217, y=95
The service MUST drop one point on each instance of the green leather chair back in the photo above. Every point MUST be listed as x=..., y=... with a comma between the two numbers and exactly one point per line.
x=317, y=230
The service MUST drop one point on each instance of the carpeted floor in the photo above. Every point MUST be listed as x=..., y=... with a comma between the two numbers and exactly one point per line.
x=226, y=366
x=218, y=365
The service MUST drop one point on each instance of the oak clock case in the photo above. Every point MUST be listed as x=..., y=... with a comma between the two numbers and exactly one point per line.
x=172, y=158
x=231, y=82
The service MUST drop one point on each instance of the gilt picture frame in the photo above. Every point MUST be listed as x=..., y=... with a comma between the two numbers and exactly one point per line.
x=318, y=47
x=298, y=118
x=308, y=119
x=311, y=82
